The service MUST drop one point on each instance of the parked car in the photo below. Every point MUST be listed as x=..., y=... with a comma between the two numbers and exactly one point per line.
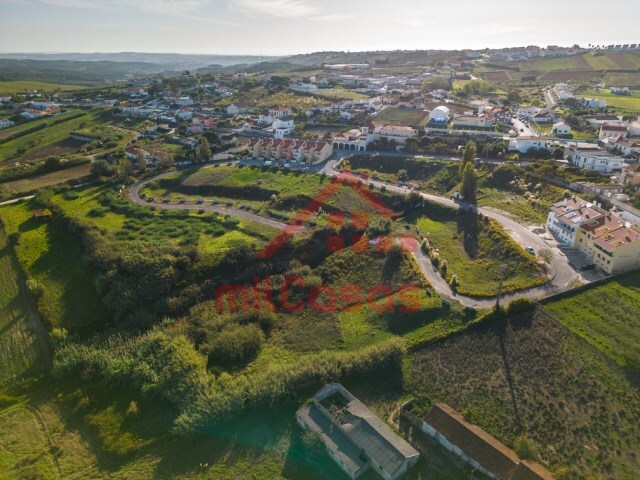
x=530, y=250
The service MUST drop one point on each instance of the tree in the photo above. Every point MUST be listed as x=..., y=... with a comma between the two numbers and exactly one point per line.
x=402, y=174
x=52, y=163
x=167, y=160
x=204, y=151
x=469, y=183
x=468, y=155
x=513, y=97
x=101, y=168
x=141, y=161
x=124, y=168
x=546, y=255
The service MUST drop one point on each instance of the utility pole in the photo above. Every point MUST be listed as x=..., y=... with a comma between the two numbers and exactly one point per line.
x=502, y=270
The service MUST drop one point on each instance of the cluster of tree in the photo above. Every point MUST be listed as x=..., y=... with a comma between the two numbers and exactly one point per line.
x=477, y=87
x=432, y=145
x=437, y=83
x=468, y=173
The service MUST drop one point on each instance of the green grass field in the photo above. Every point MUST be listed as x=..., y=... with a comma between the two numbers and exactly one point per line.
x=49, y=254
x=607, y=317
x=341, y=95
x=19, y=350
x=626, y=103
x=474, y=251
x=402, y=116
x=23, y=86
x=46, y=120
x=43, y=139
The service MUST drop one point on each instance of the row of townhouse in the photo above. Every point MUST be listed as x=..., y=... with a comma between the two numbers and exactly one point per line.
x=297, y=150
x=612, y=244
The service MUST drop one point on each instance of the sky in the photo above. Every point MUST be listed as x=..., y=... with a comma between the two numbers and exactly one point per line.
x=283, y=27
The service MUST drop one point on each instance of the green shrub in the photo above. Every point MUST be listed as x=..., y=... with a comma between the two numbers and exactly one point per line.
x=525, y=448
x=520, y=305
x=238, y=343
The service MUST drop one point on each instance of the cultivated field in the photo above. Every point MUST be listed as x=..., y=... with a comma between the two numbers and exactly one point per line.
x=626, y=103
x=48, y=179
x=606, y=316
x=533, y=377
x=24, y=86
x=402, y=116
x=19, y=349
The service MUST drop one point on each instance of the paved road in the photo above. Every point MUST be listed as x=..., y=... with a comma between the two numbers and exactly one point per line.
x=519, y=125
x=564, y=276
x=134, y=195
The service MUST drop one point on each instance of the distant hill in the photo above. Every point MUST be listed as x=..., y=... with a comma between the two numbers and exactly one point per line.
x=169, y=61
x=73, y=72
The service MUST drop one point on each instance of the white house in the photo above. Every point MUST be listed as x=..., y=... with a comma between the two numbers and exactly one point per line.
x=528, y=111
x=561, y=128
x=282, y=126
x=543, y=117
x=625, y=147
x=595, y=160
x=278, y=112
x=398, y=133
x=634, y=129
x=235, y=109
x=595, y=120
x=6, y=123
x=185, y=114
x=612, y=131
x=184, y=101
x=592, y=103
x=354, y=139
x=439, y=115
x=31, y=114
x=565, y=217
x=524, y=144
x=468, y=121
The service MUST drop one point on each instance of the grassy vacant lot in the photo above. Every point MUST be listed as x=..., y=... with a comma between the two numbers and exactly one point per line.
x=607, y=317
x=341, y=95
x=474, y=250
x=626, y=103
x=266, y=190
x=42, y=140
x=532, y=211
x=402, y=116
x=533, y=377
x=46, y=120
x=49, y=253
x=48, y=179
x=23, y=86
x=209, y=231
x=19, y=351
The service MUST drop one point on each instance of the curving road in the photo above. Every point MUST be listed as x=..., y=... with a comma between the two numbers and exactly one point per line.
x=134, y=196
x=563, y=275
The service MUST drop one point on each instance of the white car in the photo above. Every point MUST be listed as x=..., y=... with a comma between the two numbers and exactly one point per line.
x=530, y=250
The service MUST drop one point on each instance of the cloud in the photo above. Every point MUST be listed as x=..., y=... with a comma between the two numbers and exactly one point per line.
x=163, y=7
x=275, y=8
